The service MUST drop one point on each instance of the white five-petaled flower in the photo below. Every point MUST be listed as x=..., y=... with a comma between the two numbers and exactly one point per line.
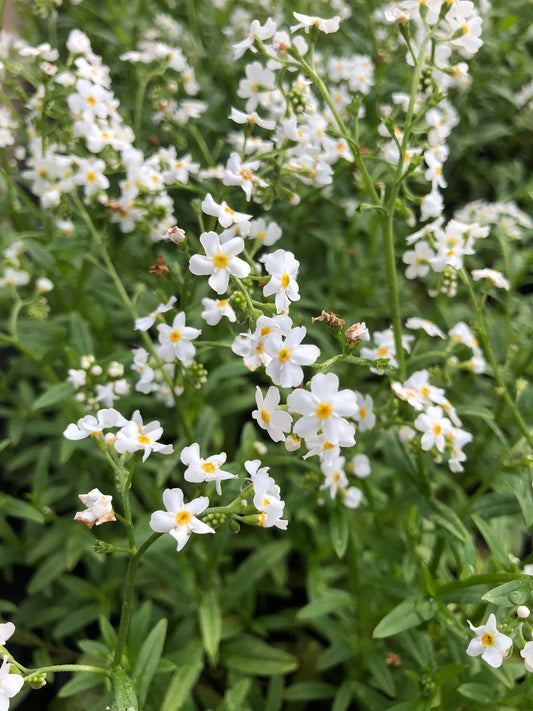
x=275, y=422
x=283, y=269
x=91, y=426
x=214, y=310
x=99, y=509
x=326, y=25
x=6, y=631
x=220, y=261
x=176, y=340
x=324, y=408
x=224, y=214
x=10, y=684
x=135, y=436
x=288, y=356
x=414, y=323
x=527, y=656
x=199, y=469
x=489, y=643
x=145, y=322
x=266, y=496
x=494, y=276
x=180, y=519
x=434, y=427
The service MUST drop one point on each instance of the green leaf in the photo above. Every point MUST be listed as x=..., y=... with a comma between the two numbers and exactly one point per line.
x=124, y=691
x=330, y=601
x=407, y=614
x=482, y=693
x=338, y=528
x=446, y=518
x=493, y=541
x=309, y=690
x=80, y=617
x=447, y=673
x=343, y=697
x=516, y=592
x=210, y=618
x=19, y=509
x=181, y=685
x=524, y=494
x=274, y=699
x=148, y=659
x=250, y=655
x=236, y=696
x=256, y=565
x=81, y=682
x=80, y=335
x=56, y=393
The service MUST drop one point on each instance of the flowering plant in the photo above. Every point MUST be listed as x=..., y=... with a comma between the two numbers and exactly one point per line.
x=267, y=270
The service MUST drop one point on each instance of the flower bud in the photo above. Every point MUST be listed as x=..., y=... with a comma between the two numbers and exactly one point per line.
x=523, y=612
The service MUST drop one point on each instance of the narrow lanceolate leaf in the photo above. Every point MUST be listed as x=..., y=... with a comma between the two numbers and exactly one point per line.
x=124, y=691
x=338, y=528
x=250, y=655
x=56, y=393
x=148, y=659
x=515, y=592
x=210, y=618
x=407, y=614
x=181, y=685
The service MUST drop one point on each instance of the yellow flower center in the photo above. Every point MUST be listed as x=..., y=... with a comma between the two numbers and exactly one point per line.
x=424, y=391
x=183, y=517
x=437, y=429
x=362, y=412
x=285, y=279
x=259, y=348
x=261, y=235
x=265, y=416
x=265, y=331
x=246, y=174
x=208, y=467
x=336, y=476
x=143, y=439
x=328, y=445
x=382, y=351
x=284, y=355
x=91, y=177
x=220, y=260
x=91, y=100
x=488, y=639
x=222, y=303
x=175, y=336
x=95, y=434
x=261, y=519
x=324, y=411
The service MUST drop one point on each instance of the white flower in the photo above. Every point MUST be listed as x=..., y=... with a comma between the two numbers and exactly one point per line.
x=266, y=496
x=99, y=509
x=199, y=470
x=429, y=327
x=214, y=310
x=360, y=466
x=495, y=277
x=176, y=340
x=252, y=118
x=257, y=32
x=220, y=261
x=323, y=24
x=364, y=416
x=351, y=497
x=10, y=684
x=283, y=268
x=6, y=630
x=324, y=408
x=435, y=427
x=288, y=356
x=489, y=643
x=180, y=519
x=357, y=332
x=275, y=422
x=135, y=436
x=335, y=476
x=145, y=322
x=418, y=260
x=527, y=655
x=223, y=212
x=90, y=426
x=242, y=174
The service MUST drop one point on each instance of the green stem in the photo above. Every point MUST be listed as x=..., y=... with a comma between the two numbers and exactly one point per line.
x=492, y=360
x=66, y=667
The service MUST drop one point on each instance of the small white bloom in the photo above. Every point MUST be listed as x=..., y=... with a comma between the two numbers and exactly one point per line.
x=180, y=519
x=429, y=327
x=489, y=643
x=220, y=261
x=99, y=509
x=176, y=340
x=10, y=684
x=90, y=426
x=135, y=436
x=145, y=322
x=199, y=469
x=360, y=466
x=495, y=277
x=6, y=631
x=323, y=24
x=285, y=368
x=527, y=656
x=275, y=422
x=214, y=311
x=283, y=268
x=434, y=427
